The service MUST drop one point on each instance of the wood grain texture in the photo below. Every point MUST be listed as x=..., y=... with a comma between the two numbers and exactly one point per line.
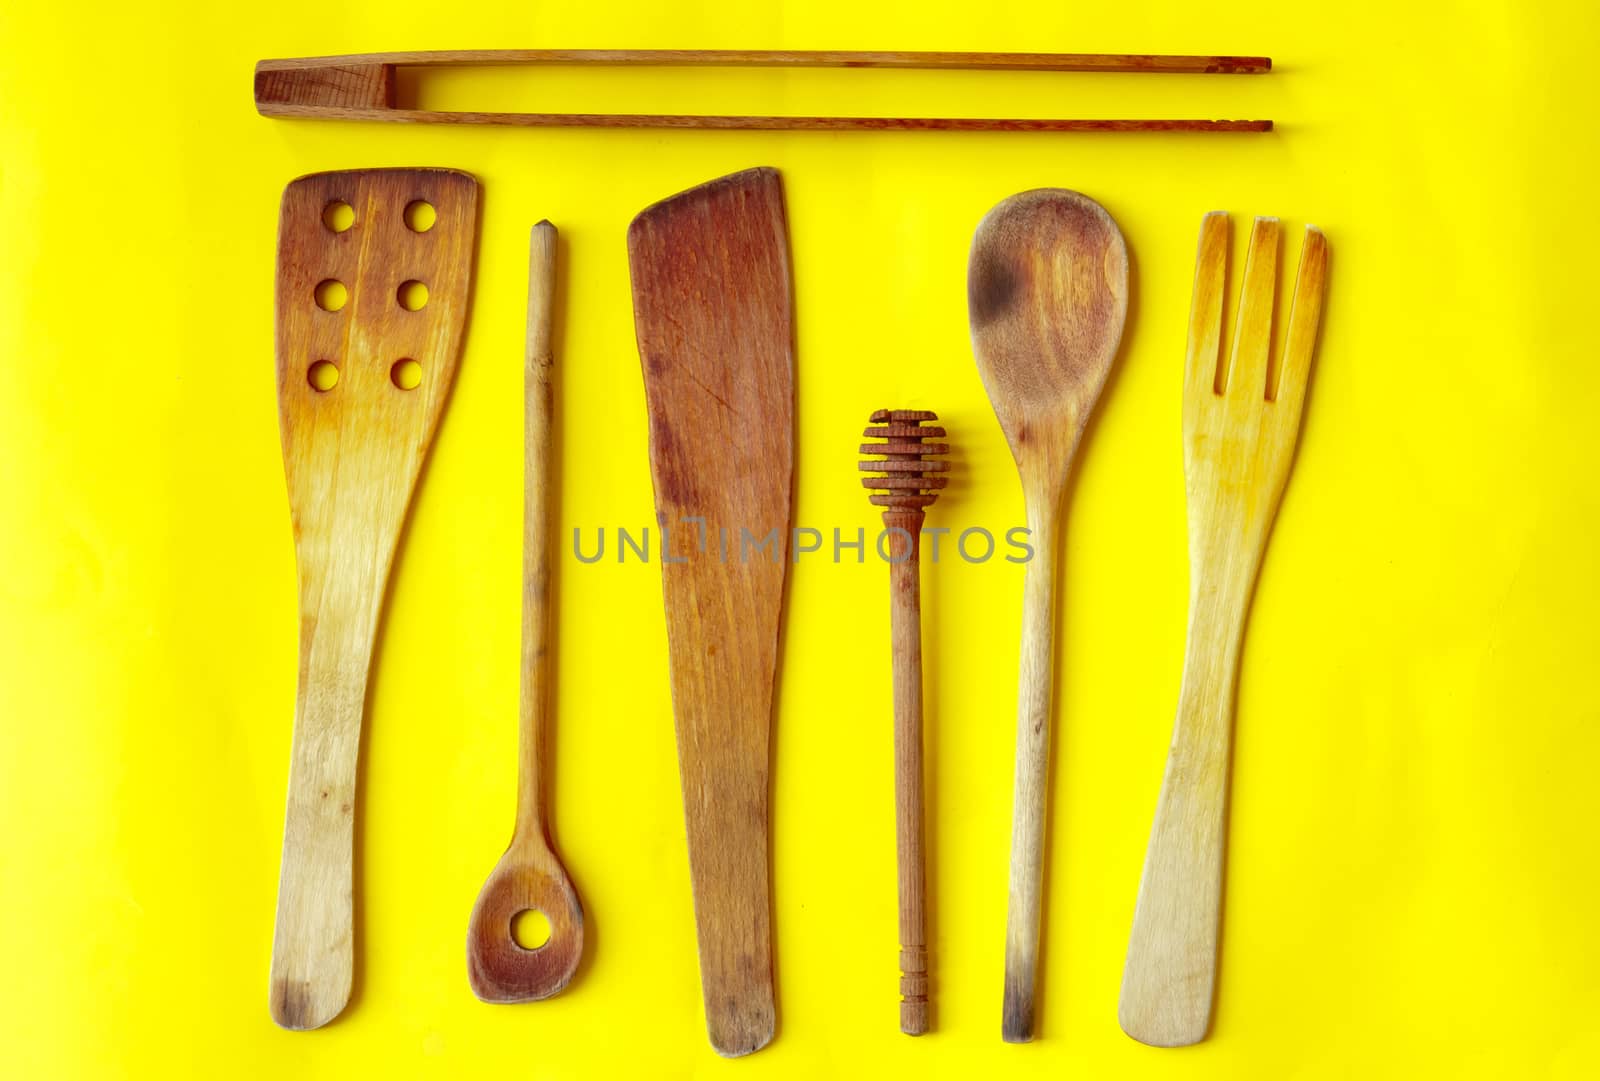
x=361, y=87
x=1048, y=295
x=714, y=319
x=1241, y=420
x=351, y=458
x=908, y=475
x=336, y=85
x=529, y=874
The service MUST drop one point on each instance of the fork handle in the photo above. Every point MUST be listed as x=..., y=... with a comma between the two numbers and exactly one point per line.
x=1168, y=984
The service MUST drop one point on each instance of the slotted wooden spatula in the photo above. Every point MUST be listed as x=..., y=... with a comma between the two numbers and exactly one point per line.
x=713, y=315
x=374, y=280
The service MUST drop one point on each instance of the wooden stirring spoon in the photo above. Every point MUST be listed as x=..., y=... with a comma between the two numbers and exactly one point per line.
x=371, y=305
x=529, y=876
x=1047, y=290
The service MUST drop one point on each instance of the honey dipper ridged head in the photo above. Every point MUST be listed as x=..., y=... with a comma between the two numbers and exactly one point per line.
x=910, y=476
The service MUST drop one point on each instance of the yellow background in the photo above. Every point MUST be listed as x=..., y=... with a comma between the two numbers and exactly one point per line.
x=1412, y=862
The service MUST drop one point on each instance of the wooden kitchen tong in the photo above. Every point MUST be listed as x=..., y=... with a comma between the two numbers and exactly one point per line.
x=363, y=87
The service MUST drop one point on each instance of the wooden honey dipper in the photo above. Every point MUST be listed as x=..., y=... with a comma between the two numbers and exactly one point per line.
x=908, y=484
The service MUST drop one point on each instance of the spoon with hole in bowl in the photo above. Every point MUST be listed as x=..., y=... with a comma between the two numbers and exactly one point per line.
x=529, y=876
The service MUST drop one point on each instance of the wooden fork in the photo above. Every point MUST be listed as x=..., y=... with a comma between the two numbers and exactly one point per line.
x=1241, y=420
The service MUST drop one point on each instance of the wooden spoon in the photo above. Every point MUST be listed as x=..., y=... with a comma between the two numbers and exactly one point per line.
x=1047, y=289
x=371, y=306
x=713, y=313
x=529, y=876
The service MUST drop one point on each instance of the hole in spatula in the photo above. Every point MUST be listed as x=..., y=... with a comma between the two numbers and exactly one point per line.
x=406, y=374
x=530, y=928
x=412, y=295
x=331, y=295
x=323, y=376
x=420, y=216
x=338, y=216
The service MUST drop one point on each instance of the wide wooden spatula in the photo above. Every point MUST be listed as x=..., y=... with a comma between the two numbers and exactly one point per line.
x=1047, y=293
x=374, y=279
x=713, y=315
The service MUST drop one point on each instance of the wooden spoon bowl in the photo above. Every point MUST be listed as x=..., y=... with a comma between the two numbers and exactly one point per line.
x=500, y=968
x=1047, y=291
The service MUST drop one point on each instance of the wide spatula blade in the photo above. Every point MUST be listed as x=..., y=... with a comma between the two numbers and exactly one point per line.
x=714, y=318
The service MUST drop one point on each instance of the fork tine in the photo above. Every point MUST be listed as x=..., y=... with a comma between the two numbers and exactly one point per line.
x=1205, y=310
x=1304, y=316
x=1252, y=334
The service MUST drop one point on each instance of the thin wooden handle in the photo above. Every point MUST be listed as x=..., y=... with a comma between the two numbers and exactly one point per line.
x=536, y=512
x=312, y=942
x=906, y=627
x=292, y=109
x=529, y=876
x=1033, y=755
x=795, y=58
x=1169, y=982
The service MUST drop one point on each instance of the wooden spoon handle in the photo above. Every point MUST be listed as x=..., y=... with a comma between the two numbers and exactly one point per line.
x=536, y=514
x=1168, y=984
x=906, y=626
x=1033, y=755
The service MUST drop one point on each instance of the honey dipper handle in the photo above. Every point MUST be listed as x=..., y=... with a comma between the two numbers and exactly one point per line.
x=536, y=514
x=1168, y=984
x=1033, y=750
x=906, y=626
